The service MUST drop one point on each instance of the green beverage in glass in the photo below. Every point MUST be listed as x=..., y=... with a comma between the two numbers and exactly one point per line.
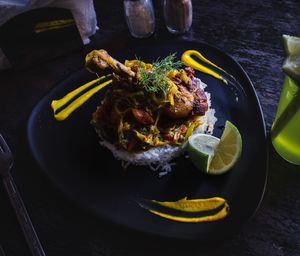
x=285, y=132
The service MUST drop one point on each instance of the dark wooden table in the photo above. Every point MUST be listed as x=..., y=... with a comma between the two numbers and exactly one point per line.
x=249, y=31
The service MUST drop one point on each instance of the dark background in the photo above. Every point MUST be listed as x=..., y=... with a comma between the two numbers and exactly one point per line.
x=249, y=31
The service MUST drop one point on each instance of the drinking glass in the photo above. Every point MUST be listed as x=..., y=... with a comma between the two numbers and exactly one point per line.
x=285, y=131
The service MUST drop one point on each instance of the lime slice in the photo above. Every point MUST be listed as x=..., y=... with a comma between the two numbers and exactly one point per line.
x=201, y=148
x=291, y=45
x=215, y=156
x=291, y=66
x=227, y=151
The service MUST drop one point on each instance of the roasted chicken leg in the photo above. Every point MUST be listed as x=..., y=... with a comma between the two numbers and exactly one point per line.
x=99, y=60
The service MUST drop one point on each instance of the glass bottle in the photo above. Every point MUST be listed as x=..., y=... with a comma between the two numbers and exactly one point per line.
x=178, y=15
x=139, y=17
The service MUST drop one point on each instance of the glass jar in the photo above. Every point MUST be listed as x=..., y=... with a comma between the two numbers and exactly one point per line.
x=178, y=15
x=139, y=17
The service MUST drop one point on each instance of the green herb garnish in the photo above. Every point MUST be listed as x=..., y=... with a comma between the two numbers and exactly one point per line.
x=156, y=80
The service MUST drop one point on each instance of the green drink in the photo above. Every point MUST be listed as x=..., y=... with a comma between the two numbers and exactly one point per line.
x=285, y=132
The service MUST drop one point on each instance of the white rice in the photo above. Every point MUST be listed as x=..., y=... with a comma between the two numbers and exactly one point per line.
x=159, y=158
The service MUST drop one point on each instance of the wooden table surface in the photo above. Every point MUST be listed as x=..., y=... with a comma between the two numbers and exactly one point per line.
x=250, y=32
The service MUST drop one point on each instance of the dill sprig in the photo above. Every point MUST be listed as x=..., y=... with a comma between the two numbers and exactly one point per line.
x=155, y=80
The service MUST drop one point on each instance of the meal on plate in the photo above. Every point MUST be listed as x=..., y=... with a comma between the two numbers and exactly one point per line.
x=150, y=110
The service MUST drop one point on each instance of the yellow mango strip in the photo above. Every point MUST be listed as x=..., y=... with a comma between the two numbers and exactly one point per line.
x=129, y=63
x=184, y=77
x=62, y=115
x=52, y=28
x=193, y=205
x=142, y=137
x=54, y=24
x=171, y=99
x=187, y=59
x=157, y=142
x=189, y=131
x=172, y=74
x=219, y=215
x=172, y=92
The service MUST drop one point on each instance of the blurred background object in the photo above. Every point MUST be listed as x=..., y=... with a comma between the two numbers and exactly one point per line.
x=178, y=15
x=139, y=17
x=30, y=27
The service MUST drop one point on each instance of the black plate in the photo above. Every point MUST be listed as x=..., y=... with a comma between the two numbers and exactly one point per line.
x=69, y=154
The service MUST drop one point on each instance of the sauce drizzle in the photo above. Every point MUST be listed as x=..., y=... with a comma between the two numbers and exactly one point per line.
x=193, y=205
x=65, y=112
x=185, y=206
x=187, y=59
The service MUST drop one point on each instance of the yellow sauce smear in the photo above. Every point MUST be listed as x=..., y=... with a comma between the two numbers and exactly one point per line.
x=64, y=113
x=194, y=205
x=187, y=59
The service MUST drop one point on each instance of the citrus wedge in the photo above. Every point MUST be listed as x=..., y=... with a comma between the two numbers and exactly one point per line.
x=201, y=148
x=291, y=64
x=215, y=156
x=291, y=44
x=227, y=151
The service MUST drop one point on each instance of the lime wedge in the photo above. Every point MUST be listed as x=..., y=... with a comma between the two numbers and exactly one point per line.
x=291, y=66
x=201, y=148
x=291, y=44
x=227, y=151
x=216, y=156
